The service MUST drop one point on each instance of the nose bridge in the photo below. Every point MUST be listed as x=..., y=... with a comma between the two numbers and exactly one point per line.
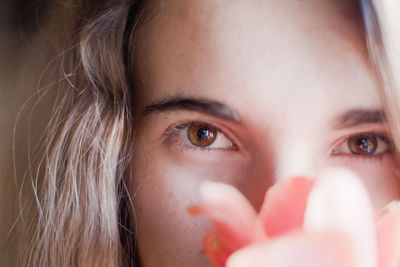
x=296, y=156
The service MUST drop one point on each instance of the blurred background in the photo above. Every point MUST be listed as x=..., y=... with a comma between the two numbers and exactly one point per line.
x=20, y=20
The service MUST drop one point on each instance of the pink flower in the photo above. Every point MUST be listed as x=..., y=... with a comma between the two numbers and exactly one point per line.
x=302, y=222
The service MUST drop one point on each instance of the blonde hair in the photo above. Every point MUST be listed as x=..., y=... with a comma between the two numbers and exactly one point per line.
x=382, y=19
x=81, y=196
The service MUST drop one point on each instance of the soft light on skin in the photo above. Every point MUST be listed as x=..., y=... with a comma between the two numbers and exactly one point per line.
x=288, y=71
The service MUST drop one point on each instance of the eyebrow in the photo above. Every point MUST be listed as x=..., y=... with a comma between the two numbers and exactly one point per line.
x=358, y=117
x=208, y=107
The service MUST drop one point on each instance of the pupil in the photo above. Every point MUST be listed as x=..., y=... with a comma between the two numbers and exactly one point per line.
x=363, y=143
x=366, y=145
x=203, y=133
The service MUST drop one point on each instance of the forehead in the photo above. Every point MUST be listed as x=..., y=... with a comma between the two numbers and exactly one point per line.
x=253, y=54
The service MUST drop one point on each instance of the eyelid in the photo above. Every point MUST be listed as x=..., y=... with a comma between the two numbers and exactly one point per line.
x=175, y=134
x=383, y=139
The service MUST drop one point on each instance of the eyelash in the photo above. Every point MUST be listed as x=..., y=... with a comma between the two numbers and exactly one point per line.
x=175, y=134
x=382, y=139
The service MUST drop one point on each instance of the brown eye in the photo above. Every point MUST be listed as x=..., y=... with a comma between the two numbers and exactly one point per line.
x=363, y=144
x=202, y=135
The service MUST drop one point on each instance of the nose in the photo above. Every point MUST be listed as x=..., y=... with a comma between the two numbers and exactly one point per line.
x=295, y=158
x=291, y=155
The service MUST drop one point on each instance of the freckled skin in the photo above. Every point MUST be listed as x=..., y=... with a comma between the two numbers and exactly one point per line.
x=288, y=67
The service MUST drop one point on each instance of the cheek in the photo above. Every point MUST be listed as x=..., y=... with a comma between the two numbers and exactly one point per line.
x=166, y=233
x=163, y=190
x=165, y=184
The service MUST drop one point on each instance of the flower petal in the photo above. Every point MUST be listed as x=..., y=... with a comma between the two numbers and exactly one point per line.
x=339, y=201
x=300, y=249
x=284, y=206
x=214, y=252
x=388, y=230
x=231, y=215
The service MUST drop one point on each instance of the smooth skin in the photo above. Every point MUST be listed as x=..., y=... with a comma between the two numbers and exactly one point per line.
x=293, y=84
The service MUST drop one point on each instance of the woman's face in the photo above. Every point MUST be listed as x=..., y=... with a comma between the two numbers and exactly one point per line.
x=247, y=93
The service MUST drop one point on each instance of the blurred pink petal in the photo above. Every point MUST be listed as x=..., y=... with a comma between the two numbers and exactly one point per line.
x=339, y=201
x=284, y=206
x=232, y=216
x=324, y=223
x=299, y=249
x=388, y=229
x=215, y=252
